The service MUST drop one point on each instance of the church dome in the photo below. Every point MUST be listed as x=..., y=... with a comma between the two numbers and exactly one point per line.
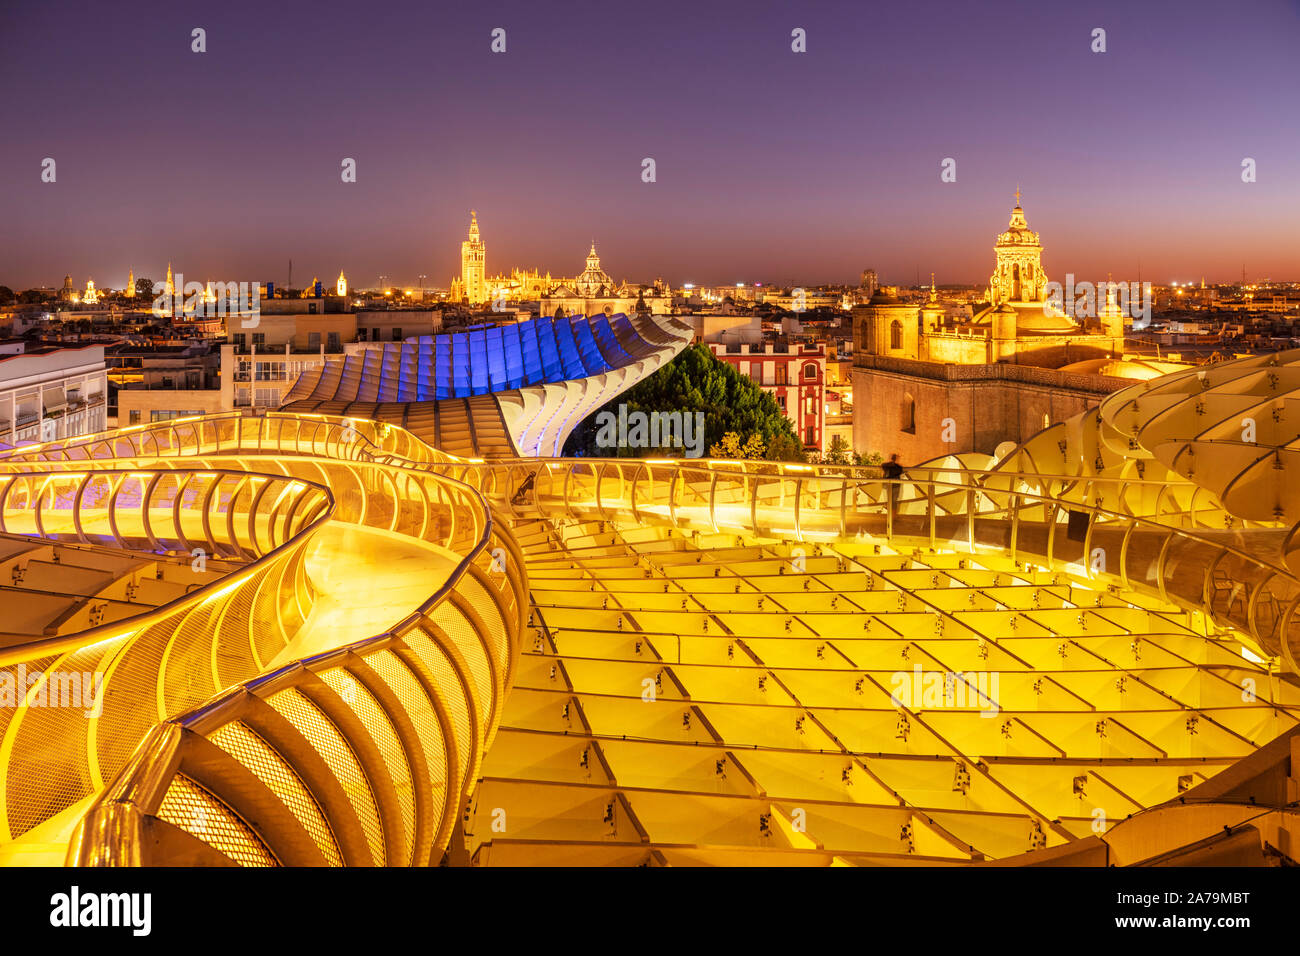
x=985, y=316
x=1135, y=368
x=1032, y=317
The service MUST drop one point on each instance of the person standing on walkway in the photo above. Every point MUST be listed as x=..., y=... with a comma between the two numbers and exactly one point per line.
x=893, y=471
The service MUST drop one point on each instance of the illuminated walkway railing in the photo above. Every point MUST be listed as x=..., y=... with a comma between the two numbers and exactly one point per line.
x=1238, y=577
x=364, y=755
x=165, y=659
x=261, y=491
x=230, y=433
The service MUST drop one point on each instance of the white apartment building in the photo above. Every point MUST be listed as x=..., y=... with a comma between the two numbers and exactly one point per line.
x=51, y=393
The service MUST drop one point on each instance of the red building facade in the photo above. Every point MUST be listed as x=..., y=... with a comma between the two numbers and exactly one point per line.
x=796, y=377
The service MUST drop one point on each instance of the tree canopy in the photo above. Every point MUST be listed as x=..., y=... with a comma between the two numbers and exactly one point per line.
x=696, y=381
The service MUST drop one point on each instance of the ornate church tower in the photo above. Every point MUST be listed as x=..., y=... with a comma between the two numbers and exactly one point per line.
x=473, y=264
x=169, y=286
x=129, y=292
x=1019, y=275
x=932, y=311
x=341, y=287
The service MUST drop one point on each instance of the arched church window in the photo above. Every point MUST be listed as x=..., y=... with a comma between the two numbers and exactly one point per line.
x=908, y=423
x=896, y=334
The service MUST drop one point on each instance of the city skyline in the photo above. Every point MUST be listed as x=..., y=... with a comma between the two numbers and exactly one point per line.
x=391, y=281
x=546, y=141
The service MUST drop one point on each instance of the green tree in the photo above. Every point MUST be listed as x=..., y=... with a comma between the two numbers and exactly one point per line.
x=785, y=447
x=696, y=381
x=731, y=447
x=144, y=286
x=839, y=451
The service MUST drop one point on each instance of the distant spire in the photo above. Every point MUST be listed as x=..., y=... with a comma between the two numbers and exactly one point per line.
x=1017, y=194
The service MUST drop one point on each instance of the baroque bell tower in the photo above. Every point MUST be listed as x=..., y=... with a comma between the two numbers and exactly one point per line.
x=473, y=264
x=1019, y=275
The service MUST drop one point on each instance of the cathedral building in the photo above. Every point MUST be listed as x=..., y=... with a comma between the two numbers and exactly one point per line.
x=477, y=288
x=930, y=381
x=591, y=292
x=1018, y=323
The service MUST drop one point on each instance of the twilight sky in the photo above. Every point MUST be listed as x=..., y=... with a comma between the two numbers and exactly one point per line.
x=771, y=166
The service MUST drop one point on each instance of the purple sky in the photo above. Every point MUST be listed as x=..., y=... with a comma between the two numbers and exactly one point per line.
x=772, y=166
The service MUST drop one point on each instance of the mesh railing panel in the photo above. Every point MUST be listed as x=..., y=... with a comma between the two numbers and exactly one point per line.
x=238, y=740
x=192, y=808
x=368, y=710
x=320, y=732
x=407, y=688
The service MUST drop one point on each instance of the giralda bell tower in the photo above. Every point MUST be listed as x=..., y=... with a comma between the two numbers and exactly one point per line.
x=473, y=264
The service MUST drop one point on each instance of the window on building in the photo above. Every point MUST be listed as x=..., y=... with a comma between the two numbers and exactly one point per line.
x=810, y=371
x=334, y=343
x=908, y=423
x=781, y=373
x=135, y=416
x=896, y=334
x=313, y=340
x=810, y=435
x=397, y=335
x=810, y=405
x=259, y=338
x=239, y=339
x=780, y=402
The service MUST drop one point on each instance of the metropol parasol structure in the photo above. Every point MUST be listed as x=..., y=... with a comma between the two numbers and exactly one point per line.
x=385, y=625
